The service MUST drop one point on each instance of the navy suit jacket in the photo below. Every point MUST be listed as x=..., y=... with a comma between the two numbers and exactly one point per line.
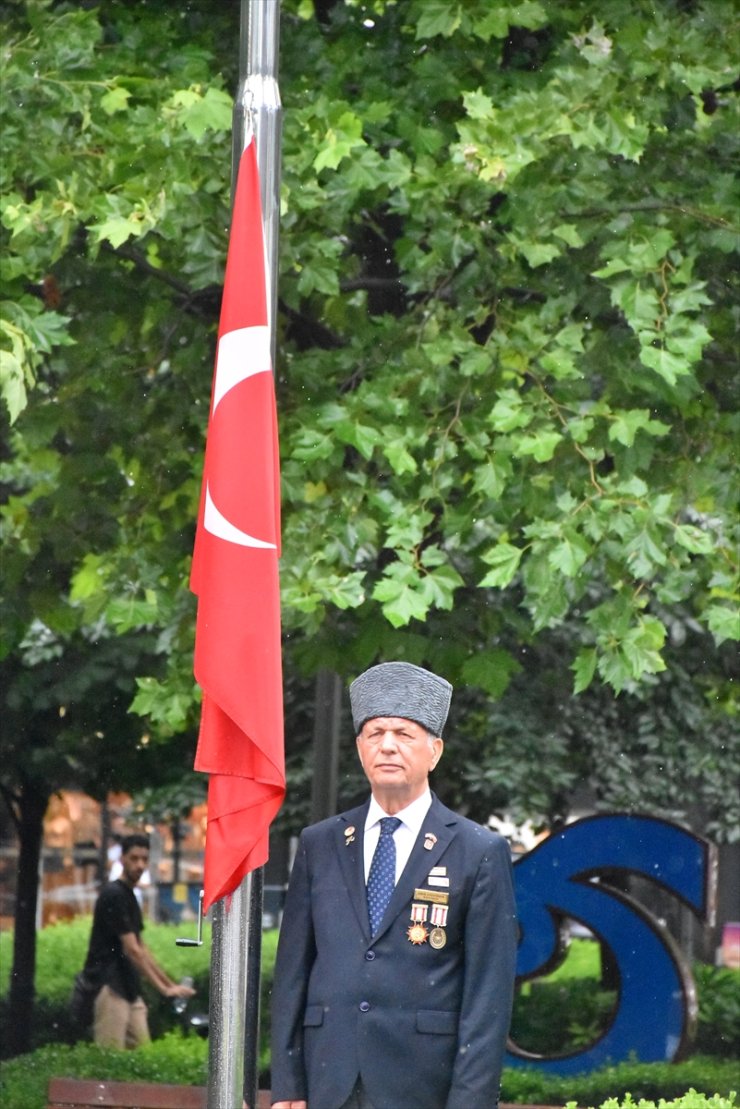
x=423, y=1028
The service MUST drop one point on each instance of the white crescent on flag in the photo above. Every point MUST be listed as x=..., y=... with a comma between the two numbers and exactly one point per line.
x=241, y=354
x=215, y=522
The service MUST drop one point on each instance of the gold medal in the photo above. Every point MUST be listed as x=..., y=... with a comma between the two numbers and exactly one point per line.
x=437, y=938
x=417, y=933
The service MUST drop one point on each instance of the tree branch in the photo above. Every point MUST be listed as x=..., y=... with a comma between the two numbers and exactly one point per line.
x=191, y=296
x=315, y=332
x=651, y=206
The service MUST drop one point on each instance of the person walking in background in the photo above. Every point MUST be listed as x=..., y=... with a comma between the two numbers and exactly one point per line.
x=117, y=957
x=395, y=967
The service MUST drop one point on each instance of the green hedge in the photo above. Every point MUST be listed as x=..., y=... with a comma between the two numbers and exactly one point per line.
x=690, y=1100
x=718, y=989
x=555, y=1018
x=182, y=1060
x=566, y=1010
x=642, y=1080
x=174, y=1057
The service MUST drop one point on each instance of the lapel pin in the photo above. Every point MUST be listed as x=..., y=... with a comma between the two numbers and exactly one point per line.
x=429, y=840
x=349, y=835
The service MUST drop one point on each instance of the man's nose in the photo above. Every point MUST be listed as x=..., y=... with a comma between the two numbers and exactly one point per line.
x=388, y=739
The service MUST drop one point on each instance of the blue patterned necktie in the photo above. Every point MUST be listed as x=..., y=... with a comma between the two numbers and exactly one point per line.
x=382, y=876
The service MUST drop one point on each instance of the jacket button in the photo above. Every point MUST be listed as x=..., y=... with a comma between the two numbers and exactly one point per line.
x=369, y=955
x=364, y=1006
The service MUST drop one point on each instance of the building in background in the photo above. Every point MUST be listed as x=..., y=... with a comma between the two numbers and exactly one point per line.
x=80, y=837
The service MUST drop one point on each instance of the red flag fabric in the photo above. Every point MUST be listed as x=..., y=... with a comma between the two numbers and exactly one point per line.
x=235, y=567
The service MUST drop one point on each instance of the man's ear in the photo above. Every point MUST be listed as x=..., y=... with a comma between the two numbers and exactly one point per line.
x=438, y=747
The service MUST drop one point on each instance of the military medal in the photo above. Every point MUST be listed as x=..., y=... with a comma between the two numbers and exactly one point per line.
x=417, y=933
x=437, y=938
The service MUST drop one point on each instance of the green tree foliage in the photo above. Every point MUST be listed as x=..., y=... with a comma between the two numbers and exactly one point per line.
x=515, y=233
x=507, y=337
x=97, y=462
x=508, y=404
x=114, y=220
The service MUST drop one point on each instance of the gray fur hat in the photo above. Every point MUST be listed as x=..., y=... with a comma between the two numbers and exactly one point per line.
x=401, y=689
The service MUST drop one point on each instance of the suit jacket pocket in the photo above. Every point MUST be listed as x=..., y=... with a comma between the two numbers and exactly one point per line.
x=313, y=1016
x=436, y=1021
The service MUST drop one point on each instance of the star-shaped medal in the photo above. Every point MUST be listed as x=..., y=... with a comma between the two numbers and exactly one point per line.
x=417, y=933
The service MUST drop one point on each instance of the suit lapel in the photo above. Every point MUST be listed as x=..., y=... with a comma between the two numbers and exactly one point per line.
x=349, y=837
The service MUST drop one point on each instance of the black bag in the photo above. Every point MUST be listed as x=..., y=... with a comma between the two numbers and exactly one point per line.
x=82, y=1002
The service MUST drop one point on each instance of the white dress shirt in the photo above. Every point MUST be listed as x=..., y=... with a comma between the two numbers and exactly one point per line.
x=404, y=837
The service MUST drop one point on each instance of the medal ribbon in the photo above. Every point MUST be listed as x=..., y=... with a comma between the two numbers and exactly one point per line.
x=439, y=915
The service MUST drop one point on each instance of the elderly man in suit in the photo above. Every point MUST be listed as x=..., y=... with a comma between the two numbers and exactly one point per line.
x=395, y=967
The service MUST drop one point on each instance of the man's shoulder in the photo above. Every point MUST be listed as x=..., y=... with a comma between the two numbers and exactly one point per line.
x=117, y=898
x=112, y=891
x=330, y=824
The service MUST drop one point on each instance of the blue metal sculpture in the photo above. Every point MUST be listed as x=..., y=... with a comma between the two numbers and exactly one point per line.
x=566, y=876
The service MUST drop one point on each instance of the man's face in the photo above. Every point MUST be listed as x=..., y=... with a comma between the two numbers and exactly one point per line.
x=134, y=863
x=397, y=755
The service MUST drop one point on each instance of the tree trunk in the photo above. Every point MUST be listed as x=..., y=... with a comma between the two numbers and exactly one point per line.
x=31, y=809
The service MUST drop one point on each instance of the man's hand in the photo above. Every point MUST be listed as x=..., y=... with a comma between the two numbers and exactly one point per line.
x=290, y=1105
x=179, y=991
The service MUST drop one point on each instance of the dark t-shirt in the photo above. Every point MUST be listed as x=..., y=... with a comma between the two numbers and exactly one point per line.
x=116, y=912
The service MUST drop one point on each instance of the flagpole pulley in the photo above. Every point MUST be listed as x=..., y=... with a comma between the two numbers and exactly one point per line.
x=183, y=941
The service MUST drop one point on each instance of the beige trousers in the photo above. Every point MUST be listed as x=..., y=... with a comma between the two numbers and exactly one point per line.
x=119, y=1023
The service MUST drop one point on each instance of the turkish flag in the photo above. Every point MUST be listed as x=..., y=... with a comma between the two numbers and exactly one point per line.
x=235, y=567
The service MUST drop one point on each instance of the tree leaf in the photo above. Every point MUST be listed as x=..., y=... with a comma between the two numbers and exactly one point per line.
x=490, y=670
x=504, y=560
x=115, y=100
x=568, y=556
x=723, y=622
x=584, y=668
x=667, y=365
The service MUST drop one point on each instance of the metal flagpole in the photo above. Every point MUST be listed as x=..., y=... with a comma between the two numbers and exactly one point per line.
x=258, y=107
x=228, y=992
x=237, y=921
